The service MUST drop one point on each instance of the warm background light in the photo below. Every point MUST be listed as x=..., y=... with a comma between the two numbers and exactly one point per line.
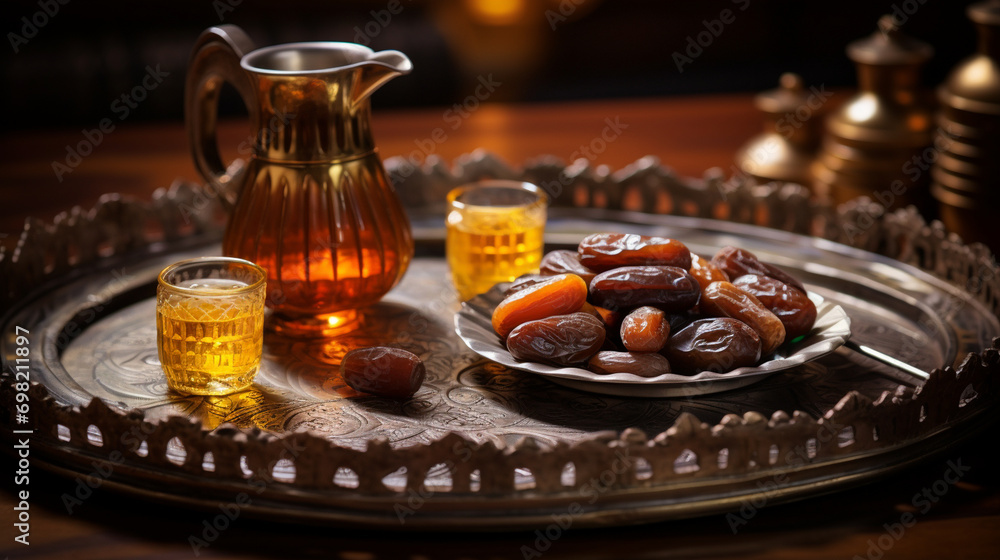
x=497, y=12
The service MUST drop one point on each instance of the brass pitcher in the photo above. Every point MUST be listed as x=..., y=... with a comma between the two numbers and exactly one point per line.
x=314, y=206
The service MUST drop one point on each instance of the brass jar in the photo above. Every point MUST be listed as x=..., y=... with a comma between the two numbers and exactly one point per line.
x=966, y=175
x=874, y=144
x=784, y=151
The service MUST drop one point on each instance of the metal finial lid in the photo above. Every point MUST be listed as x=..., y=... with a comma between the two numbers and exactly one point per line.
x=987, y=13
x=889, y=46
x=786, y=98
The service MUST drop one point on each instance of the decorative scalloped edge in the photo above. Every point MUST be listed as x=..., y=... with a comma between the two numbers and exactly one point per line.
x=735, y=446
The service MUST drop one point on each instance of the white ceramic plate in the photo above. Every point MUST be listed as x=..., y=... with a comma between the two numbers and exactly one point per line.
x=474, y=326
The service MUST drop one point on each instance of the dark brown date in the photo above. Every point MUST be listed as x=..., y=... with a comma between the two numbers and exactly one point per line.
x=604, y=251
x=565, y=262
x=738, y=262
x=645, y=329
x=641, y=364
x=794, y=308
x=720, y=344
x=723, y=299
x=384, y=371
x=561, y=340
x=669, y=288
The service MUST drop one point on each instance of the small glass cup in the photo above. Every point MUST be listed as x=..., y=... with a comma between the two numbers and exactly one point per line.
x=210, y=324
x=495, y=233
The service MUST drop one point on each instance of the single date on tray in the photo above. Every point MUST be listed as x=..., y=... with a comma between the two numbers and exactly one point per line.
x=384, y=371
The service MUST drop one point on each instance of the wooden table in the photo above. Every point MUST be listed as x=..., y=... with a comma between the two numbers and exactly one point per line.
x=690, y=135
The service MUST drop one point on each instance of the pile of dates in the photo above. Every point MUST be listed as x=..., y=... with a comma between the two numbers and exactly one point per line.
x=626, y=303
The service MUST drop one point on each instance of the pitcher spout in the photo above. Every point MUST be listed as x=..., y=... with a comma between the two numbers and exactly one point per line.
x=376, y=71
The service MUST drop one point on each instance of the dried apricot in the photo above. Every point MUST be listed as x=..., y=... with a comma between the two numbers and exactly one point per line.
x=557, y=295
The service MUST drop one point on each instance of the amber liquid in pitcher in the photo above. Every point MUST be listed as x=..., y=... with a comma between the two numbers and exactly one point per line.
x=335, y=246
x=314, y=206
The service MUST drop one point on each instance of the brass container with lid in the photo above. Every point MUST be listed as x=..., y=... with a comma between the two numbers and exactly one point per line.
x=966, y=175
x=873, y=142
x=784, y=151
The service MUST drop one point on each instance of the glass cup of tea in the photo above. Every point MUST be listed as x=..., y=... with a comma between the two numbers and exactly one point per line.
x=495, y=233
x=210, y=324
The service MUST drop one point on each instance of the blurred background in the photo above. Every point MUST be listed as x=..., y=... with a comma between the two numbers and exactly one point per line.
x=63, y=70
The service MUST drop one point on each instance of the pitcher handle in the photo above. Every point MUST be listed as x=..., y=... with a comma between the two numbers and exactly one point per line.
x=215, y=59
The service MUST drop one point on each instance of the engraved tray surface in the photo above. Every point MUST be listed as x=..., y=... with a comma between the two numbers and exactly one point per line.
x=893, y=308
x=484, y=446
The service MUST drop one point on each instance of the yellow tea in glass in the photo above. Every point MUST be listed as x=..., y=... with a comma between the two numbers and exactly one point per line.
x=210, y=324
x=495, y=233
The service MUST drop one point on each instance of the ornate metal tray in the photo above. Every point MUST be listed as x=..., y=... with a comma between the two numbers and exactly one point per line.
x=482, y=446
